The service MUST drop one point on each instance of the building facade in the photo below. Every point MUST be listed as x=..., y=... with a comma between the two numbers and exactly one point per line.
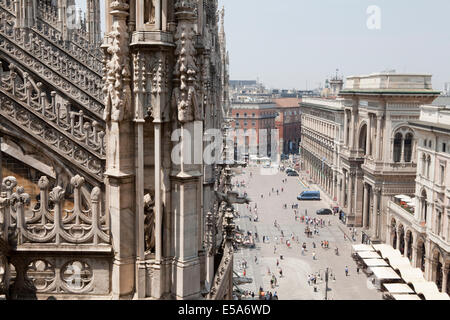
x=321, y=140
x=253, y=123
x=91, y=134
x=423, y=234
x=288, y=123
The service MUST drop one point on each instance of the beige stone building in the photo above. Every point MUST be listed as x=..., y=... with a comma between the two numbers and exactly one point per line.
x=420, y=227
x=321, y=141
x=96, y=201
x=378, y=156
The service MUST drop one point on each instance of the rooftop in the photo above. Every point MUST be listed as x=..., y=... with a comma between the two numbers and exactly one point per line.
x=287, y=102
x=389, y=82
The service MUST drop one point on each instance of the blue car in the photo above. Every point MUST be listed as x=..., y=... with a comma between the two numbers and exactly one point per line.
x=309, y=195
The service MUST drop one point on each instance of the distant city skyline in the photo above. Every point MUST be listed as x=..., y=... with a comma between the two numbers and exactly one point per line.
x=299, y=44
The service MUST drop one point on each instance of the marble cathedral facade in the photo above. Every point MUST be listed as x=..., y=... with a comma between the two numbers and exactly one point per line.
x=127, y=207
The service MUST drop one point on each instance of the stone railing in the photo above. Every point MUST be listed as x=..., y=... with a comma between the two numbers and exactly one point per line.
x=48, y=16
x=71, y=48
x=69, y=132
x=29, y=59
x=56, y=226
x=73, y=68
x=71, y=122
x=223, y=274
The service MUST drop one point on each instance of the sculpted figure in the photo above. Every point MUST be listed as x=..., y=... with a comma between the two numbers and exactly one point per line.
x=149, y=223
x=149, y=11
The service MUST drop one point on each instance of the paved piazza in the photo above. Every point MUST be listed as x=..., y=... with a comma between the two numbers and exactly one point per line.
x=295, y=267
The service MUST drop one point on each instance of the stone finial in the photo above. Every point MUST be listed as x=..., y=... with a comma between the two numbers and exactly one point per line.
x=20, y=196
x=43, y=183
x=95, y=194
x=57, y=194
x=9, y=183
x=77, y=181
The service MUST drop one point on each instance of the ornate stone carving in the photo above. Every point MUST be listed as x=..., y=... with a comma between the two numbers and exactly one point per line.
x=117, y=87
x=185, y=73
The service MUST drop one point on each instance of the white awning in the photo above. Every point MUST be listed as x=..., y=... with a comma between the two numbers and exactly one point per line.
x=412, y=275
x=362, y=247
x=398, y=263
x=387, y=251
x=375, y=263
x=385, y=273
x=437, y=296
x=406, y=297
x=398, y=288
x=368, y=255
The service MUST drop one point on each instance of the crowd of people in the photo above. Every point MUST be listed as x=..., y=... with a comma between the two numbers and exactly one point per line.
x=313, y=225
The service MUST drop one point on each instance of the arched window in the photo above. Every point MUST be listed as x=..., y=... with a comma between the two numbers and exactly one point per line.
x=408, y=147
x=428, y=166
x=398, y=147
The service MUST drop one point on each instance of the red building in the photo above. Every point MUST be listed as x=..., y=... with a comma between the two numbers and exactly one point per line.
x=288, y=123
x=256, y=116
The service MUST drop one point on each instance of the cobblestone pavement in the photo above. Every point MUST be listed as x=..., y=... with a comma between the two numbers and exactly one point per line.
x=295, y=267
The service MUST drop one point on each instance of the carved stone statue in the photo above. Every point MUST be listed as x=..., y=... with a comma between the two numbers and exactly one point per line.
x=149, y=11
x=149, y=223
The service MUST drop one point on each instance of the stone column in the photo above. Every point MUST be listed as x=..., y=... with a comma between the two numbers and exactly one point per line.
x=158, y=20
x=352, y=130
x=350, y=193
x=402, y=153
x=120, y=158
x=405, y=252
x=378, y=139
x=444, y=279
x=187, y=184
x=369, y=136
x=376, y=209
x=366, y=206
x=345, y=128
x=139, y=91
x=414, y=256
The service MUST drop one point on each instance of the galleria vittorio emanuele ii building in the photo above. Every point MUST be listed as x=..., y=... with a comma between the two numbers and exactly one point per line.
x=92, y=205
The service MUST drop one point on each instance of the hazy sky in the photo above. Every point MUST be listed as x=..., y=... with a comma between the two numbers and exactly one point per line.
x=300, y=43
x=289, y=43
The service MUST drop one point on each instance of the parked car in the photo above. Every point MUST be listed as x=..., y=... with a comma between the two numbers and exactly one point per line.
x=324, y=212
x=292, y=174
x=309, y=195
x=289, y=170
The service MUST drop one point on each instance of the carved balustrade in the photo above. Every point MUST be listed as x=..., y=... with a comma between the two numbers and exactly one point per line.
x=51, y=63
x=73, y=123
x=56, y=226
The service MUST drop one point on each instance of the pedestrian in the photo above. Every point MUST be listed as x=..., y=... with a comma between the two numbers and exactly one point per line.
x=278, y=262
x=245, y=273
x=314, y=255
x=357, y=269
x=274, y=249
x=346, y=271
x=281, y=273
x=256, y=259
x=303, y=251
x=253, y=295
x=309, y=280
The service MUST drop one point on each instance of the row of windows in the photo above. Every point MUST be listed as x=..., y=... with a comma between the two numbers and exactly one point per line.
x=444, y=146
x=245, y=124
x=262, y=113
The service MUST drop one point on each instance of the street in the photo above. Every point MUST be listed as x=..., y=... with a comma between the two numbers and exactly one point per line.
x=295, y=267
